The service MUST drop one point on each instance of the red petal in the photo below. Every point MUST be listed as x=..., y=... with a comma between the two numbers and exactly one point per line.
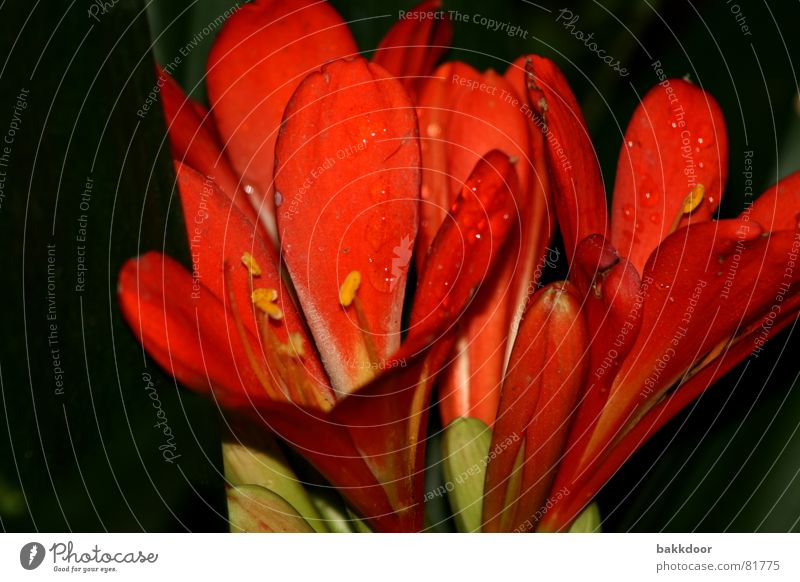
x=676, y=140
x=195, y=144
x=348, y=179
x=485, y=117
x=415, y=43
x=779, y=207
x=574, y=172
x=219, y=235
x=612, y=308
x=544, y=382
x=561, y=516
x=698, y=293
x=257, y=61
x=465, y=249
x=185, y=329
x=435, y=106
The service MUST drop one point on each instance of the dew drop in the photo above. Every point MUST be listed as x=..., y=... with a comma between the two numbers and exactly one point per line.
x=278, y=199
x=674, y=125
x=377, y=232
x=379, y=192
x=627, y=211
x=382, y=278
x=655, y=218
x=650, y=197
x=630, y=144
x=434, y=130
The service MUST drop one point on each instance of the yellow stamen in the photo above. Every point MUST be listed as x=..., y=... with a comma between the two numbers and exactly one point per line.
x=694, y=199
x=252, y=265
x=689, y=205
x=347, y=292
x=264, y=299
x=294, y=346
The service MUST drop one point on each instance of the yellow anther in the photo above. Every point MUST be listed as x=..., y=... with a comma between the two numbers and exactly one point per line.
x=252, y=265
x=264, y=299
x=694, y=199
x=347, y=292
x=294, y=347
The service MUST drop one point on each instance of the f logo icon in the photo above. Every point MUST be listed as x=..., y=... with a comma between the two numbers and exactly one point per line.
x=31, y=555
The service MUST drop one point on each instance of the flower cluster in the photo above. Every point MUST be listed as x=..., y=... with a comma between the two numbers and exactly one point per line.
x=365, y=233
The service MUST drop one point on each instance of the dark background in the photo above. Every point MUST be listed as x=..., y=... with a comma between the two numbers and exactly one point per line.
x=88, y=460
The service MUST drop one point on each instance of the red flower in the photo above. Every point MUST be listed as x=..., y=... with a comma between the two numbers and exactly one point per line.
x=319, y=179
x=671, y=303
x=319, y=361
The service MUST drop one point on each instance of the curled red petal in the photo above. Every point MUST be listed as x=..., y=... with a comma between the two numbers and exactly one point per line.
x=186, y=331
x=465, y=249
x=778, y=208
x=436, y=102
x=219, y=237
x=575, y=178
x=612, y=309
x=675, y=141
x=416, y=42
x=348, y=181
x=488, y=116
x=194, y=143
x=262, y=53
x=584, y=489
x=698, y=294
x=540, y=392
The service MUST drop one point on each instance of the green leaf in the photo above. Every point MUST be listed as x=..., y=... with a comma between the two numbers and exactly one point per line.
x=588, y=521
x=465, y=447
x=254, y=509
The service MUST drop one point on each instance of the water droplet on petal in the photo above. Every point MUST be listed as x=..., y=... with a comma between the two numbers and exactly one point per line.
x=379, y=192
x=377, y=232
x=630, y=144
x=278, y=199
x=655, y=218
x=627, y=211
x=434, y=130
